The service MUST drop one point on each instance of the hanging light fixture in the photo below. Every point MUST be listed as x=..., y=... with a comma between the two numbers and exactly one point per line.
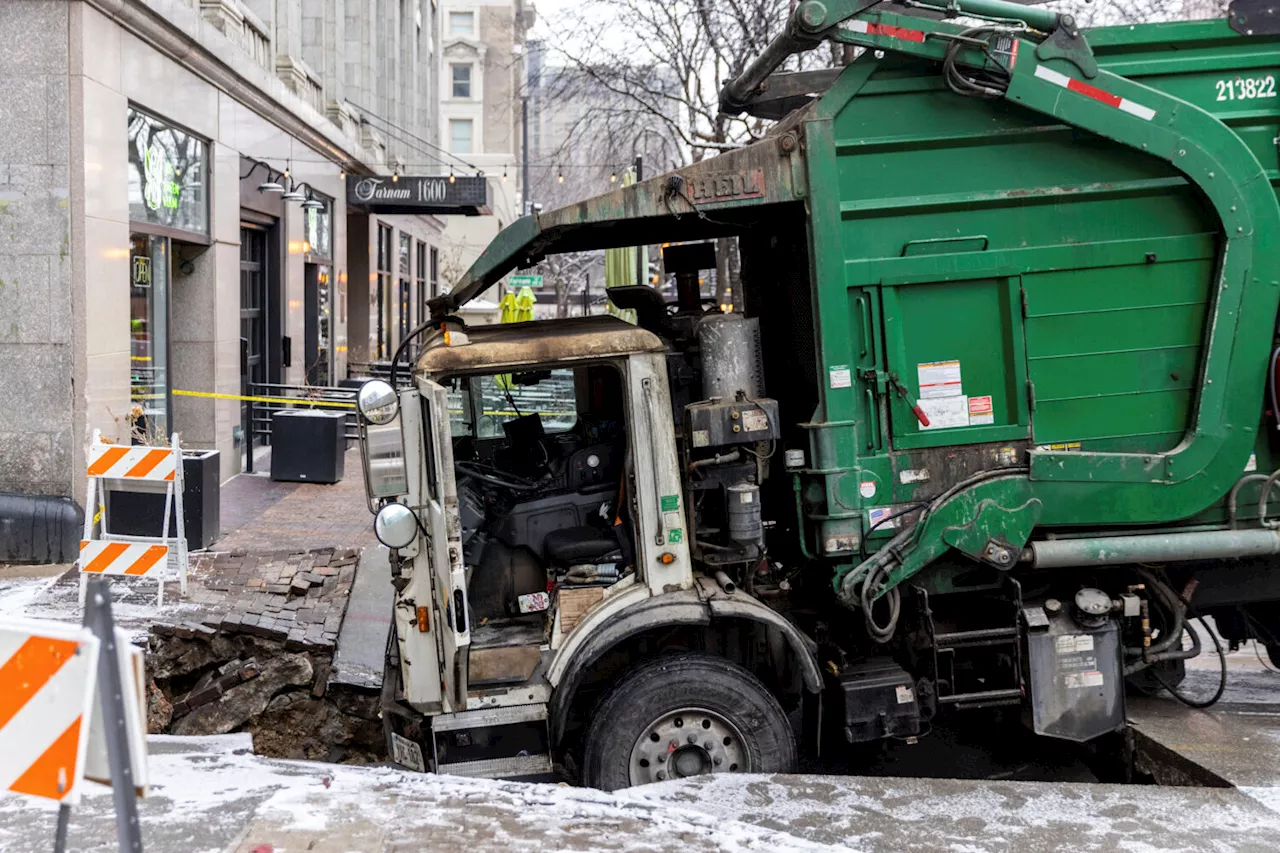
x=312, y=203
x=613, y=177
x=271, y=184
x=559, y=174
x=504, y=173
x=293, y=194
x=451, y=177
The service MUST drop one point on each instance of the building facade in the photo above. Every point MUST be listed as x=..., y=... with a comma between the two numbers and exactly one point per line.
x=480, y=111
x=173, y=175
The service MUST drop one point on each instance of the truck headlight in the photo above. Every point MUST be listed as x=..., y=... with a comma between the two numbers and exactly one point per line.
x=377, y=402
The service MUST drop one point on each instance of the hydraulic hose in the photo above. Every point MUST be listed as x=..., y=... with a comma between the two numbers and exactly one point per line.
x=1222, y=672
x=1174, y=607
x=1176, y=654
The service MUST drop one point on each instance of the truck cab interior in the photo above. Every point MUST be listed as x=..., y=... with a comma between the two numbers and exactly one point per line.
x=539, y=459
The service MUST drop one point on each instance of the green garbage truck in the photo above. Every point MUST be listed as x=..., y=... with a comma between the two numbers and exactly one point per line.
x=994, y=420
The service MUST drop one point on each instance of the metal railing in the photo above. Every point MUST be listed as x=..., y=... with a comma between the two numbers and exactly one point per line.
x=382, y=370
x=308, y=397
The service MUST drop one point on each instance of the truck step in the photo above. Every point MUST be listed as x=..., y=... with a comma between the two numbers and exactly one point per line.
x=501, y=768
x=489, y=717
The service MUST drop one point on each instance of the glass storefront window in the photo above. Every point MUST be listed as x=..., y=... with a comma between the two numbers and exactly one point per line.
x=149, y=338
x=324, y=314
x=317, y=229
x=381, y=301
x=168, y=175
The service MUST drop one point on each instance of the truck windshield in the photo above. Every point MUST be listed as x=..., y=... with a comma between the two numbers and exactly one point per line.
x=480, y=405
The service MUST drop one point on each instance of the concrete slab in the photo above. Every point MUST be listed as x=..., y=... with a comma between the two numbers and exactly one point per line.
x=211, y=795
x=893, y=815
x=1236, y=741
x=362, y=642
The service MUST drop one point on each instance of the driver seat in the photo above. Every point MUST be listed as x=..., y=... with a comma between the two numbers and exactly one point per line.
x=571, y=546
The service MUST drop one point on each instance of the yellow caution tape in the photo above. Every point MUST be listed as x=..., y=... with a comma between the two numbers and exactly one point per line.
x=299, y=401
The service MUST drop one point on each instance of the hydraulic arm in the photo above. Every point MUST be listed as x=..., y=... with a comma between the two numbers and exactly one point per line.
x=1040, y=60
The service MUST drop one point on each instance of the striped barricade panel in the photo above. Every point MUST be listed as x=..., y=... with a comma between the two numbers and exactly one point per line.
x=47, y=678
x=131, y=463
x=121, y=558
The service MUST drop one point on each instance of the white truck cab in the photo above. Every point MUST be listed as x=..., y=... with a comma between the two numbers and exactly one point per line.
x=530, y=486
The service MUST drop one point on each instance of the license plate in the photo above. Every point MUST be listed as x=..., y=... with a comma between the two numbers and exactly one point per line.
x=406, y=753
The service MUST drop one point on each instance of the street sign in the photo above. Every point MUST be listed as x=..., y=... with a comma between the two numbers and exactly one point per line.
x=516, y=282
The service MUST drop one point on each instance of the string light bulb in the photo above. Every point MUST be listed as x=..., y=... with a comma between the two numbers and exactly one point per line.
x=560, y=174
x=504, y=173
x=613, y=177
x=452, y=179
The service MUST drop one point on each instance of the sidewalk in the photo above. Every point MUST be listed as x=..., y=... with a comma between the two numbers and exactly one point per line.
x=265, y=525
x=259, y=515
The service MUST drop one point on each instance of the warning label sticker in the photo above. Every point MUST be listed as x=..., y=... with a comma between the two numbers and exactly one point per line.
x=981, y=411
x=1076, y=680
x=939, y=379
x=945, y=412
x=841, y=376
x=755, y=420
x=1070, y=644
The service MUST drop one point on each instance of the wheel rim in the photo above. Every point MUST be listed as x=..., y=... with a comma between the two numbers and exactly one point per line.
x=688, y=742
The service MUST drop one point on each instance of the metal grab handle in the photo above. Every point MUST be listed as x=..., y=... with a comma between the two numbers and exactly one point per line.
x=864, y=318
x=647, y=385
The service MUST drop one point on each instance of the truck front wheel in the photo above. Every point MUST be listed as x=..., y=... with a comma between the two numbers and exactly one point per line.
x=686, y=715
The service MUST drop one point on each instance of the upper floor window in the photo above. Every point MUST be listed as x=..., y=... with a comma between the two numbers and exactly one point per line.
x=462, y=23
x=461, y=81
x=460, y=135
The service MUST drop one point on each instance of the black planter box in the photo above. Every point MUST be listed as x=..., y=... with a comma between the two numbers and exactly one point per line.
x=307, y=446
x=134, y=513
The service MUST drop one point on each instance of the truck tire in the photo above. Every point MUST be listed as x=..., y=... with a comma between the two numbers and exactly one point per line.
x=685, y=715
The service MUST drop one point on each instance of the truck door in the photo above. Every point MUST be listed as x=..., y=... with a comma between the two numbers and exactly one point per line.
x=956, y=350
x=444, y=547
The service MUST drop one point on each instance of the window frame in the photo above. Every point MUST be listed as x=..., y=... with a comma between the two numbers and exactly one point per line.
x=471, y=135
x=469, y=16
x=454, y=68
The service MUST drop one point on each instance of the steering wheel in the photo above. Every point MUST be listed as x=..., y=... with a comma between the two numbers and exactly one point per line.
x=496, y=477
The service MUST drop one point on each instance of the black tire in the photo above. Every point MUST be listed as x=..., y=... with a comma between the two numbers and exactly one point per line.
x=1273, y=652
x=723, y=703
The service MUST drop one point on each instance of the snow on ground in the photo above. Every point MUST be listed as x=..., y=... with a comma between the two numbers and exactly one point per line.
x=17, y=593
x=212, y=794
x=971, y=815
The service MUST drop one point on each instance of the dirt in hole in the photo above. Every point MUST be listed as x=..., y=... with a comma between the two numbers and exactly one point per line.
x=216, y=683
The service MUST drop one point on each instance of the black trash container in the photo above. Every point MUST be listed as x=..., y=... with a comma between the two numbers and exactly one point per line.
x=140, y=513
x=307, y=446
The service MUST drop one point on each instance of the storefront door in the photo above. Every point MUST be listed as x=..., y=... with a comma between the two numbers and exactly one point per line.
x=149, y=339
x=253, y=327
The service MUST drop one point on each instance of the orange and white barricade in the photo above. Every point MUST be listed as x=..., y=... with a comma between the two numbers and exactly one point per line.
x=143, y=467
x=73, y=707
x=48, y=675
